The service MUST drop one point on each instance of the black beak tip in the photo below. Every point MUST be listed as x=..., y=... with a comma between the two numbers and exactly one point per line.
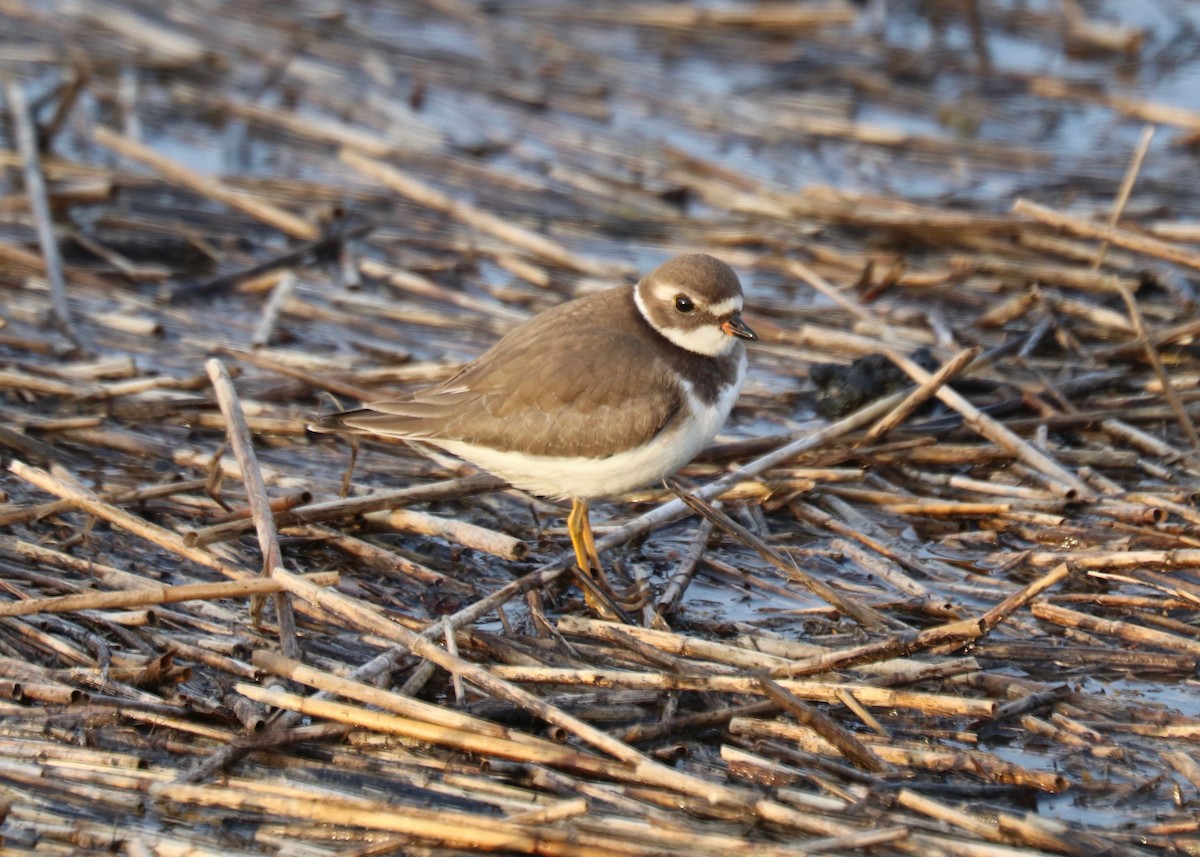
x=736, y=327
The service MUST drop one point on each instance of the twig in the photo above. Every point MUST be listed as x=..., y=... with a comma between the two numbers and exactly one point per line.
x=211, y=188
x=422, y=193
x=673, y=592
x=152, y=593
x=1121, y=237
x=1123, y=193
x=847, y=744
x=463, y=532
x=274, y=305
x=925, y=390
x=868, y=617
x=256, y=493
x=1168, y=388
x=88, y=502
x=332, y=510
x=1058, y=478
x=314, y=248
x=35, y=189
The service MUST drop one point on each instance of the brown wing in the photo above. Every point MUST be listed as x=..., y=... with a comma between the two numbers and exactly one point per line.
x=585, y=380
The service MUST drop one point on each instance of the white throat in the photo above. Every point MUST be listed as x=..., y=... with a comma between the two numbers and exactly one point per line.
x=709, y=340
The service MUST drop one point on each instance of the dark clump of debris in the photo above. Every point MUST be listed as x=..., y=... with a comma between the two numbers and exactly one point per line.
x=841, y=390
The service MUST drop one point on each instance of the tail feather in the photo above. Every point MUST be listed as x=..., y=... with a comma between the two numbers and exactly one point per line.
x=415, y=417
x=337, y=422
x=369, y=421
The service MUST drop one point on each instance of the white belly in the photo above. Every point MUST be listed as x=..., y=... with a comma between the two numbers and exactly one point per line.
x=562, y=477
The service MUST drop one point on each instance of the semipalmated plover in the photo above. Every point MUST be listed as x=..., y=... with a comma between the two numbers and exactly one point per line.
x=595, y=397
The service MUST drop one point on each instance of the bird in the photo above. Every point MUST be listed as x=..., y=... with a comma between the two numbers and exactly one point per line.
x=595, y=397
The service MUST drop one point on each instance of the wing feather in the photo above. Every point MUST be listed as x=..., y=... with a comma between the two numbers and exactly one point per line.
x=582, y=380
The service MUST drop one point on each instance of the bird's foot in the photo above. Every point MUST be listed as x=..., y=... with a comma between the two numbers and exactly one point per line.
x=609, y=602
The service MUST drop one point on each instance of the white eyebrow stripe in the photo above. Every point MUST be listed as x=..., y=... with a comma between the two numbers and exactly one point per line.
x=726, y=307
x=665, y=291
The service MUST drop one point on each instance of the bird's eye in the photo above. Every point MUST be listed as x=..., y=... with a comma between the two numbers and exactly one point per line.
x=684, y=304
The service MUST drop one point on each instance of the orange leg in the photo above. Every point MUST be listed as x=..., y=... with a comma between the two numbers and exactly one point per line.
x=579, y=526
x=595, y=587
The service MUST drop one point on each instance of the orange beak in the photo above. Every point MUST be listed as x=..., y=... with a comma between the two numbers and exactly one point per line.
x=734, y=326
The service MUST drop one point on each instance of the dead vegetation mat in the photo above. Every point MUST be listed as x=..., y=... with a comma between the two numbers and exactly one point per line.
x=942, y=603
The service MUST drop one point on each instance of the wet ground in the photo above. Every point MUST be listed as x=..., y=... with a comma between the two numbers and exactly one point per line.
x=858, y=167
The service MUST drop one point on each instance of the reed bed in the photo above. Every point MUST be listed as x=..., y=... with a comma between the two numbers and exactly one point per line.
x=935, y=591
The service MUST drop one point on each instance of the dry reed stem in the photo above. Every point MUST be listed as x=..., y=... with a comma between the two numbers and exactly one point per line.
x=15, y=379
x=395, y=703
x=1126, y=188
x=152, y=593
x=668, y=600
x=855, y=751
x=450, y=829
x=771, y=16
x=995, y=768
x=868, y=617
x=35, y=189
x=308, y=126
x=256, y=493
x=894, y=576
x=675, y=644
x=319, y=382
x=484, y=221
x=493, y=313
x=1064, y=276
x=272, y=308
x=929, y=703
x=381, y=559
x=211, y=188
x=652, y=772
x=437, y=734
x=965, y=821
x=1117, y=559
x=1134, y=241
x=856, y=309
x=857, y=842
x=1059, y=479
x=993, y=617
x=1146, y=442
x=161, y=41
x=278, y=505
x=1168, y=389
x=460, y=532
x=19, y=258
x=332, y=510
x=1146, y=111
x=875, y=541
x=671, y=839
x=1068, y=618
x=919, y=396
x=88, y=502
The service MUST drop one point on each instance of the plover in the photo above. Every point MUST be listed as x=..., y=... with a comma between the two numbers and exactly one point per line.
x=595, y=397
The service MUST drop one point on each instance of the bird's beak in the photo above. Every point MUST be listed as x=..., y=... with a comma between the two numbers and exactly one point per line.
x=734, y=326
